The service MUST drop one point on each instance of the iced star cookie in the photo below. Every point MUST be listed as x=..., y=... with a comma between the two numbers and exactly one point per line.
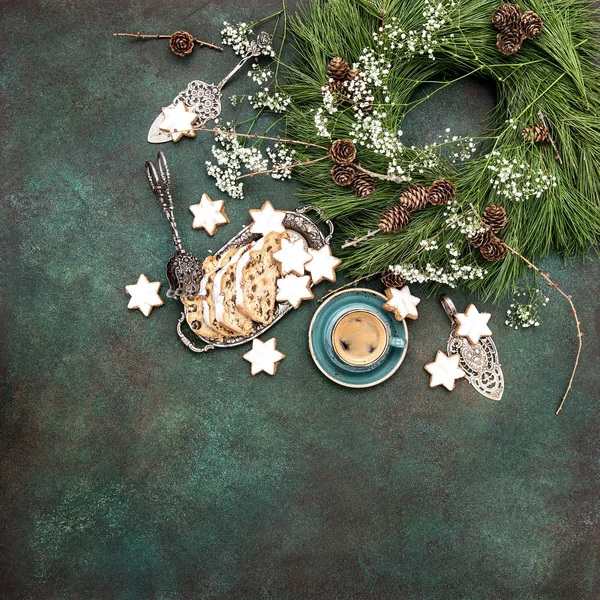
x=267, y=219
x=292, y=257
x=402, y=303
x=294, y=289
x=322, y=264
x=444, y=371
x=473, y=325
x=209, y=214
x=264, y=356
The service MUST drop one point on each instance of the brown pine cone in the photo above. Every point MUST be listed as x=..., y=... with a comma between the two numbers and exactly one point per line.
x=507, y=17
x=181, y=43
x=338, y=89
x=394, y=219
x=494, y=250
x=441, y=192
x=338, y=68
x=353, y=74
x=342, y=151
x=509, y=42
x=391, y=280
x=343, y=174
x=415, y=197
x=536, y=134
x=363, y=185
x=494, y=217
x=481, y=238
x=531, y=25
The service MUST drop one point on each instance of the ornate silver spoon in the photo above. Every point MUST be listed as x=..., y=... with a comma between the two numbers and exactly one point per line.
x=184, y=270
x=480, y=361
x=205, y=98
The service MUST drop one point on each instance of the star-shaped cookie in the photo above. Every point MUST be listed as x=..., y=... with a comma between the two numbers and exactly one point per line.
x=472, y=324
x=209, y=214
x=264, y=356
x=144, y=295
x=292, y=257
x=267, y=219
x=179, y=121
x=402, y=303
x=293, y=289
x=444, y=371
x=323, y=264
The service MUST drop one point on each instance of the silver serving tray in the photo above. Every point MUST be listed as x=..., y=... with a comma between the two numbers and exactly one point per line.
x=295, y=221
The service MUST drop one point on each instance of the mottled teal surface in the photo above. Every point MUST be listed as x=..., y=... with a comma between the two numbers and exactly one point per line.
x=133, y=469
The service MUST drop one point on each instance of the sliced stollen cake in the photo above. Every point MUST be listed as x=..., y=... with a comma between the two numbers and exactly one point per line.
x=195, y=306
x=256, y=279
x=226, y=312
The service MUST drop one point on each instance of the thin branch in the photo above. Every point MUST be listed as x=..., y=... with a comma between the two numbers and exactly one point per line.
x=216, y=131
x=379, y=176
x=557, y=152
x=574, y=311
x=282, y=168
x=160, y=36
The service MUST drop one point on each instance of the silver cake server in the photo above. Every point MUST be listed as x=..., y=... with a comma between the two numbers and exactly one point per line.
x=480, y=362
x=205, y=98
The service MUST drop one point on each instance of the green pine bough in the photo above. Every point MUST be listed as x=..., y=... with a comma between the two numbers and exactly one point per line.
x=551, y=192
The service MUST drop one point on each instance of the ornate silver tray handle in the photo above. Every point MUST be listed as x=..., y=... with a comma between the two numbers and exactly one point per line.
x=296, y=222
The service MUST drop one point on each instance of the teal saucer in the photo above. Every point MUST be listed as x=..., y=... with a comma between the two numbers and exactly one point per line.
x=321, y=349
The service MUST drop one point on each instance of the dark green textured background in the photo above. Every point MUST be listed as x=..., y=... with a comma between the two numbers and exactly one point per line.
x=134, y=469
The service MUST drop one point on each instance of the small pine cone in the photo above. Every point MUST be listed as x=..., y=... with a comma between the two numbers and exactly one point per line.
x=394, y=219
x=342, y=151
x=338, y=68
x=507, y=17
x=509, y=42
x=338, y=89
x=536, y=134
x=481, y=238
x=415, y=197
x=494, y=217
x=531, y=25
x=363, y=185
x=353, y=74
x=391, y=280
x=441, y=192
x=181, y=43
x=494, y=250
x=343, y=174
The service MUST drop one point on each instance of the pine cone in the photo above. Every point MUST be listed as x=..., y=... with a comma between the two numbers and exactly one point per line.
x=536, y=134
x=494, y=250
x=414, y=198
x=343, y=174
x=181, y=43
x=394, y=219
x=338, y=89
x=391, y=280
x=342, y=151
x=531, y=25
x=441, y=192
x=509, y=42
x=481, y=238
x=363, y=185
x=338, y=68
x=507, y=17
x=494, y=217
x=353, y=74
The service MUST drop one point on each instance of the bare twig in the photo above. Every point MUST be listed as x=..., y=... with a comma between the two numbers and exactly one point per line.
x=282, y=168
x=379, y=176
x=573, y=310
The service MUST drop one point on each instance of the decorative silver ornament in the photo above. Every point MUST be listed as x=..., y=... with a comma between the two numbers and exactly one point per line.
x=480, y=362
x=205, y=98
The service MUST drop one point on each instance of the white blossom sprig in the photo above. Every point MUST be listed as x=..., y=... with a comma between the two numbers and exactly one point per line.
x=526, y=308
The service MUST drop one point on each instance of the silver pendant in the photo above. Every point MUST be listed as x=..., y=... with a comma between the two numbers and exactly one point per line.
x=205, y=98
x=480, y=361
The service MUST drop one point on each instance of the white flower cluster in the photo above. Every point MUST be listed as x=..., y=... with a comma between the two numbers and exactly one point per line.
x=517, y=181
x=458, y=271
x=236, y=36
x=429, y=244
x=259, y=74
x=283, y=159
x=525, y=311
x=274, y=101
x=321, y=123
x=392, y=36
x=461, y=148
x=469, y=224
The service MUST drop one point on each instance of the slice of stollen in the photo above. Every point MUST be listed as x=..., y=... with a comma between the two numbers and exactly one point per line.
x=257, y=280
x=226, y=313
x=195, y=306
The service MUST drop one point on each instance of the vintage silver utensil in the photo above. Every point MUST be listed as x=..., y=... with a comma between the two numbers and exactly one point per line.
x=205, y=98
x=184, y=270
x=480, y=361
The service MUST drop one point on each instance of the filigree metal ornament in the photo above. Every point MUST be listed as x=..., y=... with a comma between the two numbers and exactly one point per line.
x=205, y=98
x=480, y=362
x=184, y=270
